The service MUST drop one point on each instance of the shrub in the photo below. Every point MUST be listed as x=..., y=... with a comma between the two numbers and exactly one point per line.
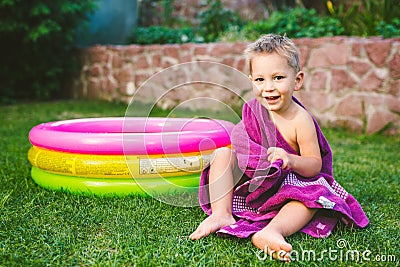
x=387, y=30
x=37, y=38
x=215, y=20
x=161, y=35
x=366, y=17
x=295, y=23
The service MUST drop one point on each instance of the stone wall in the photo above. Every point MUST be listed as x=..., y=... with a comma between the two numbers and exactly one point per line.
x=352, y=82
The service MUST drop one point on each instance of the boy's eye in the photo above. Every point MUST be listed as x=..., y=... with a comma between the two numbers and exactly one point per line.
x=259, y=79
x=279, y=78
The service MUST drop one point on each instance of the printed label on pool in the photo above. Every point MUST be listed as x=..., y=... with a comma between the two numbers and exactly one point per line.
x=176, y=164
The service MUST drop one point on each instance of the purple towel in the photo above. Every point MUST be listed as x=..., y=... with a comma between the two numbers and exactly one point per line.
x=268, y=187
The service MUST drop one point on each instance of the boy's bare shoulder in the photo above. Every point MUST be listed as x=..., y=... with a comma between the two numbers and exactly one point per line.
x=304, y=119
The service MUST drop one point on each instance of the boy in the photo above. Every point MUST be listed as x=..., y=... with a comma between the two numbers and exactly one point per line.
x=282, y=160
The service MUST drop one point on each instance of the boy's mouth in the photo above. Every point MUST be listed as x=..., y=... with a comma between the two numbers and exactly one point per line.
x=271, y=98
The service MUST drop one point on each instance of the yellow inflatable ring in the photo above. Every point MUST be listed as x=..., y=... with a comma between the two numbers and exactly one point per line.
x=120, y=187
x=118, y=166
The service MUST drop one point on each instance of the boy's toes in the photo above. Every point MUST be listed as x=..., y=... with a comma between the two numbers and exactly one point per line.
x=284, y=253
x=199, y=233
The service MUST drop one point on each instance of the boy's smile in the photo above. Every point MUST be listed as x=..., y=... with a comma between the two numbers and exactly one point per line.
x=274, y=81
x=271, y=100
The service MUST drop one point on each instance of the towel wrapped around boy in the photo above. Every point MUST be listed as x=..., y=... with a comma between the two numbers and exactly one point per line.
x=267, y=187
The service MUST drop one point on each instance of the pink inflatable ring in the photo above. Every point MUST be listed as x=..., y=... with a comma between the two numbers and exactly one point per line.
x=132, y=136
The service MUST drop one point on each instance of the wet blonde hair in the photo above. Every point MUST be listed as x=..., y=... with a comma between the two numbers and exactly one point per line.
x=270, y=43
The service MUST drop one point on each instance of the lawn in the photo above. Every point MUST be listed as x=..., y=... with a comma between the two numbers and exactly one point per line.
x=41, y=228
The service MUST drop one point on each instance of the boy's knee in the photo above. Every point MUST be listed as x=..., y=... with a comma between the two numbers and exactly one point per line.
x=225, y=154
x=224, y=151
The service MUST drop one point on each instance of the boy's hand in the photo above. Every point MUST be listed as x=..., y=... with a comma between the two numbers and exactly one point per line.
x=275, y=153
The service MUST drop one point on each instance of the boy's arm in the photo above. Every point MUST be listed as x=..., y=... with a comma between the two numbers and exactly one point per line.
x=309, y=163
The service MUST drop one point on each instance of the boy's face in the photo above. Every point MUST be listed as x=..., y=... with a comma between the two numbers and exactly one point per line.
x=274, y=81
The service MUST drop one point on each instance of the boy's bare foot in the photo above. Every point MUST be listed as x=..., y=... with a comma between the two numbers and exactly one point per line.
x=211, y=224
x=273, y=243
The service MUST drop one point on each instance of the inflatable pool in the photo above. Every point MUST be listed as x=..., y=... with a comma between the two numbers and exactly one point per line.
x=122, y=156
x=118, y=166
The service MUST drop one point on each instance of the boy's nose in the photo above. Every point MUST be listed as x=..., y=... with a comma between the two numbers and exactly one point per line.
x=267, y=87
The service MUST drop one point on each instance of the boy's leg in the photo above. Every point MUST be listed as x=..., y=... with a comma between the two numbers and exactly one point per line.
x=220, y=191
x=292, y=217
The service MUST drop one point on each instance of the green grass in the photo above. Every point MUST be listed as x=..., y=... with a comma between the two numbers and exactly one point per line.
x=45, y=228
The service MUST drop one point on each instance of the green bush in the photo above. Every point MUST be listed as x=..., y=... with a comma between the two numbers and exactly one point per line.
x=367, y=17
x=162, y=35
x=215, y=20
x=295, y=23
x=216, y=23
x=37, y=39
x=387, y=30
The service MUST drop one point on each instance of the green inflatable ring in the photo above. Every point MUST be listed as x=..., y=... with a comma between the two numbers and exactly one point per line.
x=119, y=187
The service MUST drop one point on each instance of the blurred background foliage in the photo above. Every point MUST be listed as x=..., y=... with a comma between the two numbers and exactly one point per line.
x=37, y=42
x=38, y=37
x=367, y=17
x=307, y=18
